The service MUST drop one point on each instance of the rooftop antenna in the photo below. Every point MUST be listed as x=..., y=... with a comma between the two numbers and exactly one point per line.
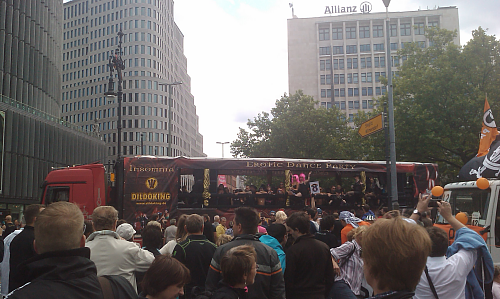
x=291, y=6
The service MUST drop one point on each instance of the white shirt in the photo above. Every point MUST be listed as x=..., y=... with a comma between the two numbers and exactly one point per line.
x=5, y=265
x=495, y=289
x=448, y=275
x=114, y=256
x=169, y=247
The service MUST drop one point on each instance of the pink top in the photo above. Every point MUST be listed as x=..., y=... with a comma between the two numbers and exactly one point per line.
x=261, y=230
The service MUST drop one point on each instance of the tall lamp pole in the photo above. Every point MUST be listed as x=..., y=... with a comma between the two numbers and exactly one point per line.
x=116, y=63
x=169, y=139
x=393, y=199
x=222, y=143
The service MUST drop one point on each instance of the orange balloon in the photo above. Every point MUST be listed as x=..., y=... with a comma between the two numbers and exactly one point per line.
x=482, y=183
x=437, y=191
x=462, y=217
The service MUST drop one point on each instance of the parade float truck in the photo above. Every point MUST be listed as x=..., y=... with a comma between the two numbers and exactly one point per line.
x=154, y=184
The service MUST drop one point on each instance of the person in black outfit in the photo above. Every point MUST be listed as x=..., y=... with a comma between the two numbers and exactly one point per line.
x=208, y=229
x=63, y=269
x=309, y=269
x=325, y=234
x=9, y=226
x=196, y=253
x=238, y=268
x=337, y=226
x=151, y=241
x=21, y=247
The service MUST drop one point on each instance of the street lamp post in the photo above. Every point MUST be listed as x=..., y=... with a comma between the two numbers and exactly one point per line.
x=169, y=139
x=222, y=143
x=393, y=200
x=116, y=63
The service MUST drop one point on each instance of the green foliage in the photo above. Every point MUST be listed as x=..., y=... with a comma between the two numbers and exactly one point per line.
x=439, y=94
x=295, y=129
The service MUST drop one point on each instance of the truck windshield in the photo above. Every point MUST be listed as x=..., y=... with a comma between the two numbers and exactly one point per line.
x=474, y=202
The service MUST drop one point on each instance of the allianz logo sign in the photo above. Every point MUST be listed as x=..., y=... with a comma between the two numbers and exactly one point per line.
x=364, y=7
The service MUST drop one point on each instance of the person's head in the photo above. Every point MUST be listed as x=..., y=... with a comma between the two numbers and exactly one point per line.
x=206, y=217
x=358, y=234
x=392, y=214
x=238, y=265
x=173, y=221
x=104, y=218
x=427, y=222
x=253, y=188
x=366, y=208
x=31, y=213
x=302, y=177
x=387, y=245
x=298, y=224
x=335, y=216
x=126, y=231
x=154, y=223
x=223, y=239
x=311, y=213
x=216, y=218
x=181, y=233
x=194, y=224
x=59, y=227
x=439, y=240
x=281, y=217
x=89, y=228
x=246, y=220
x=223, y=221
x=8, y=219
x=153, y=217
x=120, y=222
x=295, y=179
x=152, y=237
x=327, y=223
x=278, y=231
x=356, y=178
x=496, y=274
x=165, y=278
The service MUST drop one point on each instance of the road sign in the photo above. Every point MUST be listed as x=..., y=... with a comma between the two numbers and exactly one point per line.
x=373, y=125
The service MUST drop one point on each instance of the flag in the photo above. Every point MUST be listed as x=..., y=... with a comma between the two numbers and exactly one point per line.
x=487, y=166
x=488, y=131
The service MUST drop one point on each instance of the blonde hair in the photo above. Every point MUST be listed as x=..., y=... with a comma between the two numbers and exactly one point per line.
x=390, y=248
x=58, y=227
x=181, y=233
x=281, y=217
x=223, y=239
x=155, y=223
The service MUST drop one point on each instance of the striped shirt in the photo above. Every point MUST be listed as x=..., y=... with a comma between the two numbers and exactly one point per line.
x=351, y=270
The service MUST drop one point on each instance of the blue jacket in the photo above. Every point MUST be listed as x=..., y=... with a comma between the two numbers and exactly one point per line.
x=468, y=239
x=274, y=244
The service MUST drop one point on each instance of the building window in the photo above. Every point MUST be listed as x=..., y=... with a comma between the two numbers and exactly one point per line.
x=363, y=63
x=394, y=46
x=378, y=47
x=354, y=63
x=419, y=29
x=338, y=49
x=326, y=79
x=355, y=80
x=350, y=32
x=351, y=49
x=337, y=33
x=325, y=65
x=365, y=104
x=369, y=77
x=350, y=92
x=351, y=104
x=356, y=104
x=394, y=29
x=421, y=44
x=378, y=31
x=342, y=105
x=364, y=31
x=364, y=48
x=324, y=51
x=368, y=62
x=405, y=29
x=349, y=78
x=324, y=34
x=363, y=77
x=364, y=91
x=432, y=24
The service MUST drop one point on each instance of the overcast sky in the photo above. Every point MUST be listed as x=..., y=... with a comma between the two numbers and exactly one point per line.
x=237, y=53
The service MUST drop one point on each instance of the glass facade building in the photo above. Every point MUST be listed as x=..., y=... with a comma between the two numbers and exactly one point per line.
x=34, y=138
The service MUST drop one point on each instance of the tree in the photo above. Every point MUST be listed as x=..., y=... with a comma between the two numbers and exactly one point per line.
x=439, y=95
x=294, y=129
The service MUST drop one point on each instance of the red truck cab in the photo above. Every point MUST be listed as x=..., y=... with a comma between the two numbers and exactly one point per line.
x=84, y=185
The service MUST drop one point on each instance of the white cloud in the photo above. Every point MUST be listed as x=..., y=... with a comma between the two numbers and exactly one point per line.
x=237, y=57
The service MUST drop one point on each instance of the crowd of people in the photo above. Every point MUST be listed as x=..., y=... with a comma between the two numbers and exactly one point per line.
x=305, y=254
x=297, y=195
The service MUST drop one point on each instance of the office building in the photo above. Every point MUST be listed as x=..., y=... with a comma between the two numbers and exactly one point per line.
x=153, y=55
x=339, y=59
x=33, y=138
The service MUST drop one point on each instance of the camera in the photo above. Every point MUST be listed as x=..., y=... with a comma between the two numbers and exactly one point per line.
x=433, y=203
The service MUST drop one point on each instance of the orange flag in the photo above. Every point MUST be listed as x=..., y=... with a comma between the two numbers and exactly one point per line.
x=488, y=132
